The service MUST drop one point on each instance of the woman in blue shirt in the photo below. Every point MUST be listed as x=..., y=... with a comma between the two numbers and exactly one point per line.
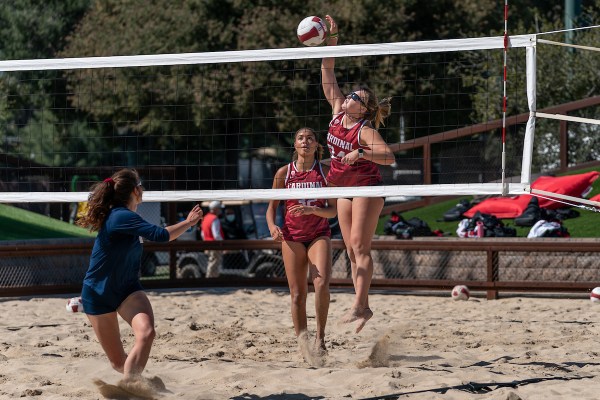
x=111, y=284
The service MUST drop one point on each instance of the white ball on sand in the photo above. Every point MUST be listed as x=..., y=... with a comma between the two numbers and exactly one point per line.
x=460, y=292
x=312, y=31
x=74, y=305
x=595, y=295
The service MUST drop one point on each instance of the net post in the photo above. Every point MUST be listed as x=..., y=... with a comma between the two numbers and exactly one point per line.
x=532, y=104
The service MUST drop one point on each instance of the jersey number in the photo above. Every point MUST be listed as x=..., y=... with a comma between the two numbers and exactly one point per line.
x=308, y=203
x=339, y=155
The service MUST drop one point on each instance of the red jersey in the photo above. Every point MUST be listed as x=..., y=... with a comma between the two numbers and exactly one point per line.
x=342, y=141
x=305, y=228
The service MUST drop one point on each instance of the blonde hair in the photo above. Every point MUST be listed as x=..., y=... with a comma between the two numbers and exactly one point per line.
x=377, y=111
x=318, y=151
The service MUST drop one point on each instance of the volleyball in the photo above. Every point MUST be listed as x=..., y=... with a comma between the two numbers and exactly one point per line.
x=461, y=292
x=312, y=31
x=595, y=295
x=74, y=305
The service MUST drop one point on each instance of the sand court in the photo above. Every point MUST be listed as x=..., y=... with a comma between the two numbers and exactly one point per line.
x=240, y=344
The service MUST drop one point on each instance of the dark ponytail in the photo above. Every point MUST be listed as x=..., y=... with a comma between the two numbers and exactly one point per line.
x=113, y=191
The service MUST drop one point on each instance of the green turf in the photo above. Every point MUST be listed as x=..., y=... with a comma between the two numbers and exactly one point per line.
x=587, y=225
x=16, y=223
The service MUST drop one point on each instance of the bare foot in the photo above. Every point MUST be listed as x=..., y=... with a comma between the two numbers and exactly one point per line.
x=319, y=353
x=356, y=314
x=304, y=347
x=310, y=354
x=319, y=347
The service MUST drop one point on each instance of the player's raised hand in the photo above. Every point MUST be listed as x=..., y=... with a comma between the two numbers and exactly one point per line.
x=333, y=28
x=195, y=215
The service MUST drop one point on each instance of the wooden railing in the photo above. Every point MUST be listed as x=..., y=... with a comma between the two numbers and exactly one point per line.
x=491, y=285
x=426, y=142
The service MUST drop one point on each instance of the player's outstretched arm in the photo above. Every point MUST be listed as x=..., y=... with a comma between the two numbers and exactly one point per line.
x=331, y=89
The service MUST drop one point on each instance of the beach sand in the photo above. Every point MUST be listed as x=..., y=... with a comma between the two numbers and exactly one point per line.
x=240, y=344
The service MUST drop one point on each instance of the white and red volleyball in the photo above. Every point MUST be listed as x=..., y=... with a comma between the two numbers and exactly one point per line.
x=595, y=295
x=312, y=31
x=74, y=305
x=460, y=292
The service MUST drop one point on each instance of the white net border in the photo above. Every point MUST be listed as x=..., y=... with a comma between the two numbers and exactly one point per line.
x=531, y=96
x=485, y=43
x=219, y=57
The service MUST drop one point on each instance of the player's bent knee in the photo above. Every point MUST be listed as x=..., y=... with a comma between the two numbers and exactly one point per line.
x=145, y=334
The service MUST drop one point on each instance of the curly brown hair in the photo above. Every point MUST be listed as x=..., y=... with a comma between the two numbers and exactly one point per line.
x=113, y=191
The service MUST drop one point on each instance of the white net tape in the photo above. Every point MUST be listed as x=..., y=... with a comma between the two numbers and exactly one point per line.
x=455, y=45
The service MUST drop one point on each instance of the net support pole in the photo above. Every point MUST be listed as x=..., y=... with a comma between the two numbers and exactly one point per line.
x=504, y=187
x=532, y=104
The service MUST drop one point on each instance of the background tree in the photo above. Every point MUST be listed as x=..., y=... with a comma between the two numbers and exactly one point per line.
x=563, y=75
x=183, y=115
x=35, y=101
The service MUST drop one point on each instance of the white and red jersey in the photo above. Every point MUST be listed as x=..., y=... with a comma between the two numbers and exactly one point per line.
x=342, y=141
x=304, y=228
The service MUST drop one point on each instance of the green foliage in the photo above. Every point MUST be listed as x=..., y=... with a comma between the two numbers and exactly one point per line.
x=285, y=94
x=170, y=110
x=37, y=29
x=32, y=102
x=563, y=75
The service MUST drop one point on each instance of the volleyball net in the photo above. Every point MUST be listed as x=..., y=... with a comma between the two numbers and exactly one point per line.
x=217, y=125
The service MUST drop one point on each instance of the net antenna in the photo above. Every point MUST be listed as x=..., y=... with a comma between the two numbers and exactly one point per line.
x=440, y=48
x=528, y=148
x=504, y=72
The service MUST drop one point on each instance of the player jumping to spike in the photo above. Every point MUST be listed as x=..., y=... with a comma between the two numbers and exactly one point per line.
x=356, y=148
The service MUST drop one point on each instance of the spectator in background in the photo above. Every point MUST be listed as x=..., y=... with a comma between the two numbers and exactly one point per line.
x=232, y=228
x=211, y=231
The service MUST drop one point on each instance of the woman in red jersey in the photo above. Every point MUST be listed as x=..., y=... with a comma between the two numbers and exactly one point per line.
x=356, y=149
x=305, y=234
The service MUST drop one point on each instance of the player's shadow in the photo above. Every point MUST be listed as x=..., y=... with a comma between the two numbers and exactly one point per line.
x=490, y=363
x=563, y=365
x=480, y=387
x=285, y=396
x=559, y=366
